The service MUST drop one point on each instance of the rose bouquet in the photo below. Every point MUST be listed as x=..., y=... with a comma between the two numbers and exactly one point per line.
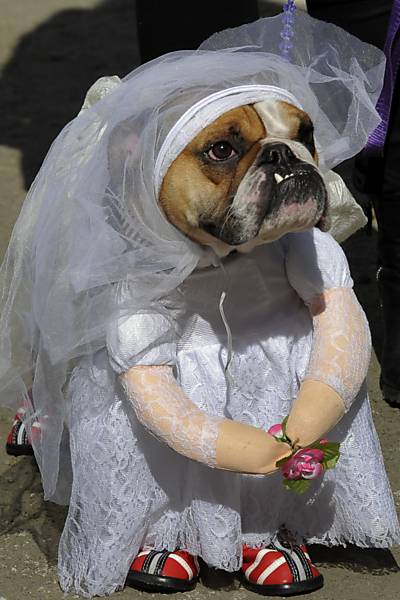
x=304, y=464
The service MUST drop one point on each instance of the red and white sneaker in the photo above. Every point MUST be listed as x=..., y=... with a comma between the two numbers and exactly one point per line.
x=18, y=442
x=280, y=569
x=164, y=571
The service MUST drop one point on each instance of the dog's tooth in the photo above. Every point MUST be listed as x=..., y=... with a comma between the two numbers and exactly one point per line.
x=278, y=178
x=289, y=175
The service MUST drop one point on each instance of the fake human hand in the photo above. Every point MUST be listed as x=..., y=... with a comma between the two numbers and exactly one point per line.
x=163, y=408
x=248, y=449
x=315, y=411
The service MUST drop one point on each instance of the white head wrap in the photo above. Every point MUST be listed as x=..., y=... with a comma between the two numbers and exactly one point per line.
x=91, y=223
x=204, y=112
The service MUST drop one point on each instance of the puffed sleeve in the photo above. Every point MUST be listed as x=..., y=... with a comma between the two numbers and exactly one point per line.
x=317, y=269
x=147, y=337
x=315, y=262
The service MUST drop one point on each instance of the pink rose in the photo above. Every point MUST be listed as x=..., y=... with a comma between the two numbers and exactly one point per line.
x=305, y=464
x=276, y=431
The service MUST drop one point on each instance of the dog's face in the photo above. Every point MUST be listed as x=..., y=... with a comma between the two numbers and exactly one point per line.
x=246, y=179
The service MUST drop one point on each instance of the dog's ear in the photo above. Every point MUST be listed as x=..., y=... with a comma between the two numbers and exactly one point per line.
x=305, y=135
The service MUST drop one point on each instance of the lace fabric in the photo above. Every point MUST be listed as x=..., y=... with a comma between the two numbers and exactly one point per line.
x=339, y=357
x=341, y=348
x=162, y=406
x=113, y=491
x=130, y=490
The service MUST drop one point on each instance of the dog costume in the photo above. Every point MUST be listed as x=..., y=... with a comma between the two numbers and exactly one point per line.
x=96, y=280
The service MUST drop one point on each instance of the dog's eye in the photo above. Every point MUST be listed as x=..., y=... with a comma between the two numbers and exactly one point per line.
x=221, y=151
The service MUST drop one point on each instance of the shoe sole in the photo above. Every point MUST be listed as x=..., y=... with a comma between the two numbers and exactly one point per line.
x=284, y=589
x=158, y=583
x=19, y=449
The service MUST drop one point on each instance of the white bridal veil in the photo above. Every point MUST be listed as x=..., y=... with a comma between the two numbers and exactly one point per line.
x=91, y=224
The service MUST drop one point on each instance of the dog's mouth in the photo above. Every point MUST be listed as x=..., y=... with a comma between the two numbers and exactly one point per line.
x=298, y=192
x=280, y=193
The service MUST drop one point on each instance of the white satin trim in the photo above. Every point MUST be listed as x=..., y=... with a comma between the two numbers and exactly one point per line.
x=345, y=213
x=204, y=112
x=102, y=87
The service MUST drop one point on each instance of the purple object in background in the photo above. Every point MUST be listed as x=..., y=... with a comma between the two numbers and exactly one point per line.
x=287, y=30
x=376, y=140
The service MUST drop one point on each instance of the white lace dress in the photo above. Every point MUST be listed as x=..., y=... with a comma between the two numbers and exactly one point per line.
x=130, y=489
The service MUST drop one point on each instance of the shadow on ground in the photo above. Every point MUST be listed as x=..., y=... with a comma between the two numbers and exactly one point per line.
x=374, y=561
x=43, y=85
x=361, y=252
x=22, y=508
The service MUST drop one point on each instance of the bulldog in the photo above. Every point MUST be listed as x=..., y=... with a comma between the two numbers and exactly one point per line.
x=248, y=178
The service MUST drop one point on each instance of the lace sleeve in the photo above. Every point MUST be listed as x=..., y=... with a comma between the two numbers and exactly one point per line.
x=341, y=342
x=163, y=408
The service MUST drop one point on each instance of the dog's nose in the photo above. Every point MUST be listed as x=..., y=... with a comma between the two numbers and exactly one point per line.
x=277, y=154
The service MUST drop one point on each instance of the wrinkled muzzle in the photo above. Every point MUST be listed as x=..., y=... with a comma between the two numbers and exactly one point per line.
x=282, y=191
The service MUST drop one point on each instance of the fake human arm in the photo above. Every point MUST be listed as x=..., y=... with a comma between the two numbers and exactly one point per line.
x=338, y=365
x=163, y=408
x=138, y=343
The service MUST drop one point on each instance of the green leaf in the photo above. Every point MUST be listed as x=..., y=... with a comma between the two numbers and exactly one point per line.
x=331, y=452
x=298, y=486
x=331, y=462
x=328, y=448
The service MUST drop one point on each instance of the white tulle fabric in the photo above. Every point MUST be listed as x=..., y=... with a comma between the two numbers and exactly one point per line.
x=345, y=214
x=130, y=488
